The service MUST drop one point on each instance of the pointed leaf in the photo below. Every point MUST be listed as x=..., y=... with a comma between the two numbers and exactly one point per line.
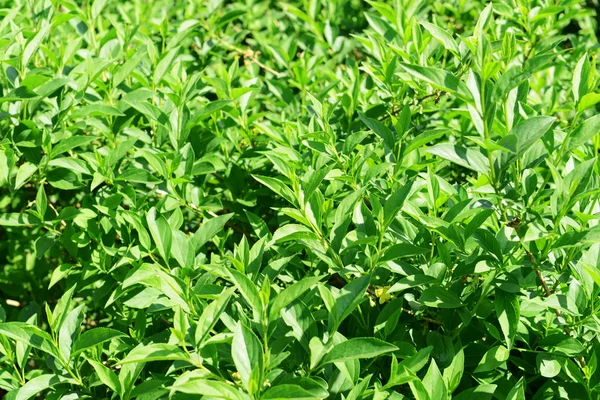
x=356, y=348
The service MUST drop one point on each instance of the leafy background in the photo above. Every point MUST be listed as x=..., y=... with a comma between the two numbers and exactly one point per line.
x=321, y=199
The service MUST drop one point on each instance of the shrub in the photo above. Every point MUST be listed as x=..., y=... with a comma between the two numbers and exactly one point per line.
x=299, y=200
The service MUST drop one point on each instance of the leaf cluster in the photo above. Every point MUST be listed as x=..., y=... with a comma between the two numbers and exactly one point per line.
x=299, y=200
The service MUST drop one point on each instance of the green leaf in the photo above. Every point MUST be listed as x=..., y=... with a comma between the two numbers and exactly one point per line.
x=409, y=282
x=507, y=311
x=17, y=219
x=106, y=376
x=205, y=387
x=97, y=110
x=343, y=215
x=289, y=391
x=440, y=79
x=137, y=175
x=418, y=389
x=423, y=139
x=403, y=250
x=581, y=134
x=37, y=385
x=59, y=314
x=69, y=144
x=442, y=36
x=292, y=232
x=210, y=316
x=209, y=229
x=356, y=348
x=440, y=298
x=41, y=201
x=156, y=162
x=581, y=78
x=349, y=297
x=395, y=202
x=434, y=382
x=151, y=112
x=278, y=187
x=466, y=157
x=59, y=273
x=247, y=354
x=483, y=21
x=30, y=335
x=381, y=130
x=527, y=134
x=161, y=233
x=164, y=65
x=181, y=249
x=547, y=364
x=258, y=225
x=587, y=101
x=126, y=69
x=33, y=44
x=489, y=243
x=26, y=170
x=69, y=330
x=63, y=179
x=155, y=352
x=94, y=337
x=120, y=151
x=517, y=392
x=570, y=239
x=290, y=294
x=492, y=359
x=97, y=7
x=20, y=93
x=210, y=108
x=358, y=390
x=453, y=374
x=562, y=344
x=249, y=292
x=481, y=392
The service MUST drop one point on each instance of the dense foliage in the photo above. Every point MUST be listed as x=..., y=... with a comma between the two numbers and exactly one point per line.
x=303, y=200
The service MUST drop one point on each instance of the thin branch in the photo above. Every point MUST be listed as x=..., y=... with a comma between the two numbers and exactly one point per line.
x=437, y=94
x=248, y=54
x=547, y=293
x=430, y=320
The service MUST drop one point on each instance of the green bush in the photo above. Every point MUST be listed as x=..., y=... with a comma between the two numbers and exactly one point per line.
x=299, y=200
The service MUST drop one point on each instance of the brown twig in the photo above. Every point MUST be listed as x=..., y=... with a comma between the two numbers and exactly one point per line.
x=437, y=94
x=547, y=293
x=430, y=320
x=540, y=277
x=248, y=54
x=545, y=286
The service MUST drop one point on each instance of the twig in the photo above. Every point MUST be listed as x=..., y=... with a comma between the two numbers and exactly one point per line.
x=432, y=321
x=545, y=286
x=395, y=111
x=547, y=293
x=547, y=290
x=248, y=54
